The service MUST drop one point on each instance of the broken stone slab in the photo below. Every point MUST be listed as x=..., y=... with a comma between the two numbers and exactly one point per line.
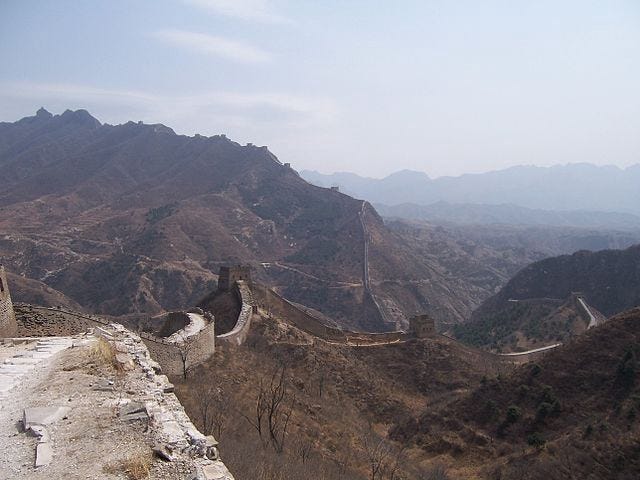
x=135, y=417
x=125, y=360
x=216, y=470
x=163, y=452
x=134, y=411
x=121, y=347
x=7, y=383
x=21, y=361
x=40, y=433
x=5, y=368
x=42, y=415
x=44, y=454
x=168, y=388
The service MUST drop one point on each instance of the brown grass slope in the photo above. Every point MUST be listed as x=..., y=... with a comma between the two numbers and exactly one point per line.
x=609, y=280
x=574, y=414
x=342, y=399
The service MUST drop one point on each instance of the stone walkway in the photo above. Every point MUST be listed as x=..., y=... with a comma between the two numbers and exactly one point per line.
x=196, y=324
x=21, y=359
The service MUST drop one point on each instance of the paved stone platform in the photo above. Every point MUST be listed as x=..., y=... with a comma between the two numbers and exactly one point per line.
x=22, y=358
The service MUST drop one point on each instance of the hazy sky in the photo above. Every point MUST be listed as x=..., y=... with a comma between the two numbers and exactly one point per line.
x=445, y=87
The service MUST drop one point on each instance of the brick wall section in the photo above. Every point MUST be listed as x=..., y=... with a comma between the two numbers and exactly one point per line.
x=199, y=347
x=238, y=335
x=8, y=325
x=283, y=308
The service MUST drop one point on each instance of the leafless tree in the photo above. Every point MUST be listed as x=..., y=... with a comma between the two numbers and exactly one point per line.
x=279, y=409
x=184, y=348
x=304, y=449
x=273, y=410
x=383, y=458
x=212, y=405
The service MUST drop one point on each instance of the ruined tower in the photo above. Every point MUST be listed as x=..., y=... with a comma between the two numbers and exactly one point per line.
x=8, y=324
x=228, y=276
x=422, y=326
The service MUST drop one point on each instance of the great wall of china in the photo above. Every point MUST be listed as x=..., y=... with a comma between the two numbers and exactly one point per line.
x=8, y=325
x=193, y=342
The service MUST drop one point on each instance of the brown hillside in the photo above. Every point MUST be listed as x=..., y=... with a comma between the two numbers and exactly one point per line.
x=342, y=397
x=572, y=415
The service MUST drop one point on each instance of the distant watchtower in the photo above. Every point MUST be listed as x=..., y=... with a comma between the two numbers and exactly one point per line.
x=422, y=326
x=8, y=326
x=228, y=276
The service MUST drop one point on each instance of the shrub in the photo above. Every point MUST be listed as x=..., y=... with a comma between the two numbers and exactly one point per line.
x=544, y=409
x=535, y=370
x=535, y=440
x=513, y=414
x=626, y=374
x=588, y=431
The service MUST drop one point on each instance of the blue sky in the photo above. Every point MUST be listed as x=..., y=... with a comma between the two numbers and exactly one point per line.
x=445, y=87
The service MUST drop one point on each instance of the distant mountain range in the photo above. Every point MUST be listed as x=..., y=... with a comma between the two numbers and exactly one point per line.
x=582, y=187
x=477, y=214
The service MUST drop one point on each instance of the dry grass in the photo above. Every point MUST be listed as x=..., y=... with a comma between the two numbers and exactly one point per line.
x=104, y=354
x=136, y=466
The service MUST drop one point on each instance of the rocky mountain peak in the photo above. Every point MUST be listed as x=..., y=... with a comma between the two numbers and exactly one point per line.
x=43, y=113
x=80, y=118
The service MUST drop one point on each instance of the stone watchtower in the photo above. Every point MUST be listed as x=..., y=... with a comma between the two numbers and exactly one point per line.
x=8, y=326
x=228, y=276
x=422, y=326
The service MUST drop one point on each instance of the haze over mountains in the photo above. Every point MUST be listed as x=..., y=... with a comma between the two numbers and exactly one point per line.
x=522, y=194
x=134, y=218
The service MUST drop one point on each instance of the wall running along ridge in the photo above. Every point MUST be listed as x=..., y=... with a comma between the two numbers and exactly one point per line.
x=238, y=335
x=269, y=300
x=8, y=324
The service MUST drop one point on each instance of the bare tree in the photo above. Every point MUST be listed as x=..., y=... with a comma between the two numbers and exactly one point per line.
x=184, y=348
x=278, y=412
x=383, y=458
x=273, y=410
x=304, y=448
x=256, y=420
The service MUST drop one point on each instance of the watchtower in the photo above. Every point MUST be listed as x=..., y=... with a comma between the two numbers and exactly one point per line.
x=8, y=326
x=228, y=276
x=422, y=326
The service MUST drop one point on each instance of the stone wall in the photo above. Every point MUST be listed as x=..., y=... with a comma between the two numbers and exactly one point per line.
x=198, y=348
x=8, y=325
x=238, y=335
x=228, y=276
x=195, y=350
x=270, y=301
x=174, y=434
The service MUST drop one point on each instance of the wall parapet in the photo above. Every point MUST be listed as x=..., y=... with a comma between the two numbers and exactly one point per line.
x=172, y=429
x=268, y=299
x=239, y=333
x=8, y=326
x=174, y=357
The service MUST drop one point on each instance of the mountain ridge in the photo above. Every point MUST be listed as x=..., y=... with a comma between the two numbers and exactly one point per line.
x=579, y=186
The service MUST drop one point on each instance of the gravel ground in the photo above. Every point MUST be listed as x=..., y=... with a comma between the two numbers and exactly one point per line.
x=91, y=442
